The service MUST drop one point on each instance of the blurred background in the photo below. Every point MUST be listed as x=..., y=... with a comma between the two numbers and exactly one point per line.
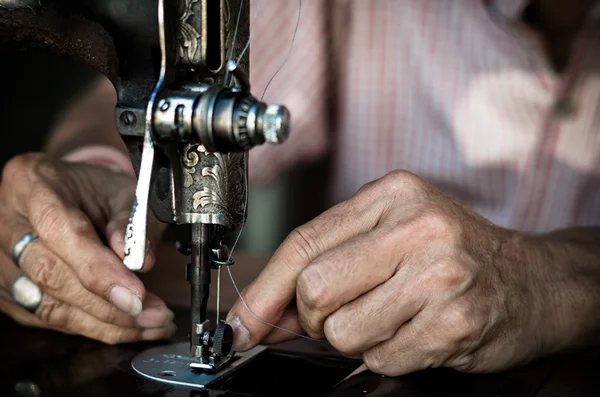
x=37, y=86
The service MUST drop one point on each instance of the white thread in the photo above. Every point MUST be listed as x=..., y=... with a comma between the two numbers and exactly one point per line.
x=235, y=32
x=246, y=182
x=257, y=7
x=260, y=319
x=289, y=51
x=237, y=290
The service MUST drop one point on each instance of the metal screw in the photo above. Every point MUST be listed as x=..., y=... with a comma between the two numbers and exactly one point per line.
x=128, y=118
x=164, y=105
x=206, y=338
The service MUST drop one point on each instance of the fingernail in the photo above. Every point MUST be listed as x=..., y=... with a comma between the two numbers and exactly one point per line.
x=158, y=333
x=155, y=318
x=125, y=300
x=241, y=336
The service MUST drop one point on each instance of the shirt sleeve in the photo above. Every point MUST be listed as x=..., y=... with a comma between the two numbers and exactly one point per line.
x=300, y=85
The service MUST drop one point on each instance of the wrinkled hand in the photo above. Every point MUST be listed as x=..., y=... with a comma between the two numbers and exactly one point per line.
x=80, y=213
x=406, y=278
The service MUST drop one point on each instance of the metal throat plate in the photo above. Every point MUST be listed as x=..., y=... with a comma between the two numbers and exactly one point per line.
x=171, y=364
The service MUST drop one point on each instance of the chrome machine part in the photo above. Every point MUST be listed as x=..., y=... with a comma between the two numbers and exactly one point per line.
x=135, y=235
x=194, y=165
x=223, y=120
x=171, y=364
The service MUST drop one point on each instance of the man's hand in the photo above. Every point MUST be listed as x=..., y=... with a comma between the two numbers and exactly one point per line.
x=406, y=278
x=80, y=213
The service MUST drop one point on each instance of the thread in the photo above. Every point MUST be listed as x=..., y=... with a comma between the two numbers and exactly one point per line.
x=235, y=32
x=289, y=50
x=260, y=319
x=237, y=290
x=257, y=7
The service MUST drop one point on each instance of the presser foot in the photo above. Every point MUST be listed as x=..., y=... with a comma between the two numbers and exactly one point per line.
x=172, y=364
x=213, y=348
x=213, y=364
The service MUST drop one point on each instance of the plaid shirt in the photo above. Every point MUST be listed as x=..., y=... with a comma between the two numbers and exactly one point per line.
x=457, y=91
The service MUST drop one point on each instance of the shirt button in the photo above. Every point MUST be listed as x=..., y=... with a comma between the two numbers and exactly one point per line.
x=565, y=108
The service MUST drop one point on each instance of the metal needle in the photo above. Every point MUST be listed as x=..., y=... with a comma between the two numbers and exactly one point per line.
x=218, y=294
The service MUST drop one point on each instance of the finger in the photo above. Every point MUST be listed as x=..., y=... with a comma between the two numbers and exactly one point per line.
x=275, y=287
x=55, y=314
x=17, y=175
x=66, y=318
x=344, y=273
x=115, y=233
x=155, y=313
x=441, y=335
x=409, y=350
x=108, y=201
x=16, y=287
x=54, y=277
x=60, y=316
x=71, y=235
x=376, y=316
x=288, y=328
x=118, y=206
x=115, y=236
x=57, y=279
x=14, y=227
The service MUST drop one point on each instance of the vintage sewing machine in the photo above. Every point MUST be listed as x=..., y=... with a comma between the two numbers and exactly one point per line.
x=186, y=114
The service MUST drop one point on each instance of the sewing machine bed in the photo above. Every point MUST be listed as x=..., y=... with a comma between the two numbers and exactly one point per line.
x=43, y=363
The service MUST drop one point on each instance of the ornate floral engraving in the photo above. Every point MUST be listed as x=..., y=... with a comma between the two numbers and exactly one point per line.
x=188, y=36
x=228, y=188
x=189, y=161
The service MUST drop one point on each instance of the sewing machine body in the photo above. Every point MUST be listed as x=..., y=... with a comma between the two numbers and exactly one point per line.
x=185, y=112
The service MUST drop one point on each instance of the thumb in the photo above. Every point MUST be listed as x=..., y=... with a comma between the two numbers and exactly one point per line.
x=115, y=236
x=118, y=219
x=266, y=299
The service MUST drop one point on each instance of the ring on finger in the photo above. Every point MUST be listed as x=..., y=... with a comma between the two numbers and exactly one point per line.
x=26, y=294
x=21, y=245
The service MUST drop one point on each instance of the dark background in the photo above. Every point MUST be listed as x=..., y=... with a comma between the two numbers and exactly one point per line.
x=35, y=86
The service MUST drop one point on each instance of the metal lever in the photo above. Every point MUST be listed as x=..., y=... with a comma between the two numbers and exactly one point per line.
x=135, y=235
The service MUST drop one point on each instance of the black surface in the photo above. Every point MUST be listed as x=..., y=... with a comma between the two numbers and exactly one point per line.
x=61, y=365
x=298, y=375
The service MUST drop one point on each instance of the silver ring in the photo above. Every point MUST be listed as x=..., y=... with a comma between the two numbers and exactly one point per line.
x=26, y=294
x=20, y=246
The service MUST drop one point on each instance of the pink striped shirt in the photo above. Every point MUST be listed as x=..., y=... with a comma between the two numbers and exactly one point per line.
x=447, y=89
